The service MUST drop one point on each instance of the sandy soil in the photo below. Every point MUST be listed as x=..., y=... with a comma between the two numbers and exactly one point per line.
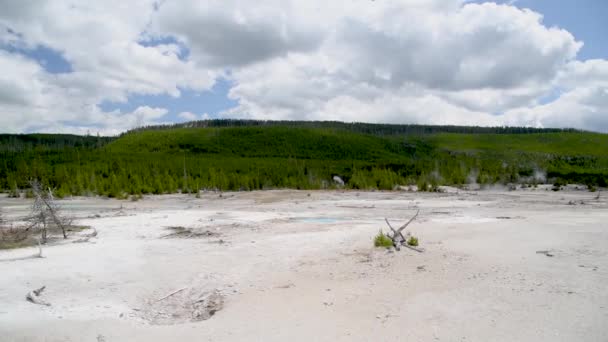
x=300, y=266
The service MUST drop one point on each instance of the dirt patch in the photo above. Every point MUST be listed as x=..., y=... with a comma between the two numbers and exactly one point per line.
x=189, y=233
x=183, y=306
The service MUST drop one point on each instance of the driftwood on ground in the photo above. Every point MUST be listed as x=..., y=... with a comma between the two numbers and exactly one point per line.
x=34, y=297
x=397, y=236
x=172, y=293
x=87, y=237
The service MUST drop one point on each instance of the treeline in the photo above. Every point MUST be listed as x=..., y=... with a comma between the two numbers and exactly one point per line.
x=252, y=157
x=41, y=142
x=118, y=175
x=359, y=127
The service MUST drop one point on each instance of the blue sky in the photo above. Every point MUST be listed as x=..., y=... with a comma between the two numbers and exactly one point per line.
x=52, y=61
x=209, y=102
x=587, y=20
x=185, y=56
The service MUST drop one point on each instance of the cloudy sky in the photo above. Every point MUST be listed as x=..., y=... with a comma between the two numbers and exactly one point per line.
x=106, y=66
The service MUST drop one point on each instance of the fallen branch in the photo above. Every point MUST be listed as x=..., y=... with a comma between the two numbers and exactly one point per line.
x=87, y=237
x=33, y=297
x=413, y=248
x=398, y=238
x=171, y=294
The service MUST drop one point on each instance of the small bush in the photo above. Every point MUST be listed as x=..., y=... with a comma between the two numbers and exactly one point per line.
x=413, y=241
x=559, y=183
x=14, y=191
x=382, y=240
x=29, y=194
x=136, y=197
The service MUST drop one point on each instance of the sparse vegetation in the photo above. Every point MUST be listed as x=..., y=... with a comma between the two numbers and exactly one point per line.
x=136, y=197
x=16, y=237
x=412, y=241
x=14, y=191
x=381, y=240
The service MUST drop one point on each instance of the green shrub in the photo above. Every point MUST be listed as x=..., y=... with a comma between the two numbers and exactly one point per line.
x=413, y=241
x=136, y=197
x=382, y=240
x=14, y=191
x=559, y=183
x=29, y=194
x=423, y=186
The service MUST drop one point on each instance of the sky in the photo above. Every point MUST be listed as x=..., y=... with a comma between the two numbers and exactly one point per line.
x=94, y=66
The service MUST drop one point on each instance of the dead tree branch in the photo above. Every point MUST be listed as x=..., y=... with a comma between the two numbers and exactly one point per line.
x=34, y=297
x=87, y=237
x=172, y=294
x=397, y=236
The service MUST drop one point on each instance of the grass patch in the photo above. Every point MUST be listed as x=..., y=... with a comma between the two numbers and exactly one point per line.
x=188, y=233
x=12, y=238
x=382, y=240
x=413, y=241
x=5, y=245
x=18, y=237
x=75, y=228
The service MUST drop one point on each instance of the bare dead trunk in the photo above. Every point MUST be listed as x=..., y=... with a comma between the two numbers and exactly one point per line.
x=43, y=232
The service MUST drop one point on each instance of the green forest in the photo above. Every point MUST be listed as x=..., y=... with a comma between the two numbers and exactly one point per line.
x=241, y=155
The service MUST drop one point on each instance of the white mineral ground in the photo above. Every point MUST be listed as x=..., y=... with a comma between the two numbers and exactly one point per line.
x=297, y=267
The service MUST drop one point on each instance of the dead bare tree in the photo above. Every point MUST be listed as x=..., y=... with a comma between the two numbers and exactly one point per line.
x=397, y=236
x=46, y=212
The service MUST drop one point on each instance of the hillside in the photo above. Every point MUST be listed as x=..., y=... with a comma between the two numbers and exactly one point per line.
x=248, y=155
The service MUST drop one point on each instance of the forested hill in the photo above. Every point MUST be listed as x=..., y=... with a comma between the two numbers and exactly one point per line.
x=249, y=155
x=24, y=142
x=359, y=127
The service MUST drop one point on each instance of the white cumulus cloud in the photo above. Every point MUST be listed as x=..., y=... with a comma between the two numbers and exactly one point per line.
x=188, y=116
x=399, y=61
